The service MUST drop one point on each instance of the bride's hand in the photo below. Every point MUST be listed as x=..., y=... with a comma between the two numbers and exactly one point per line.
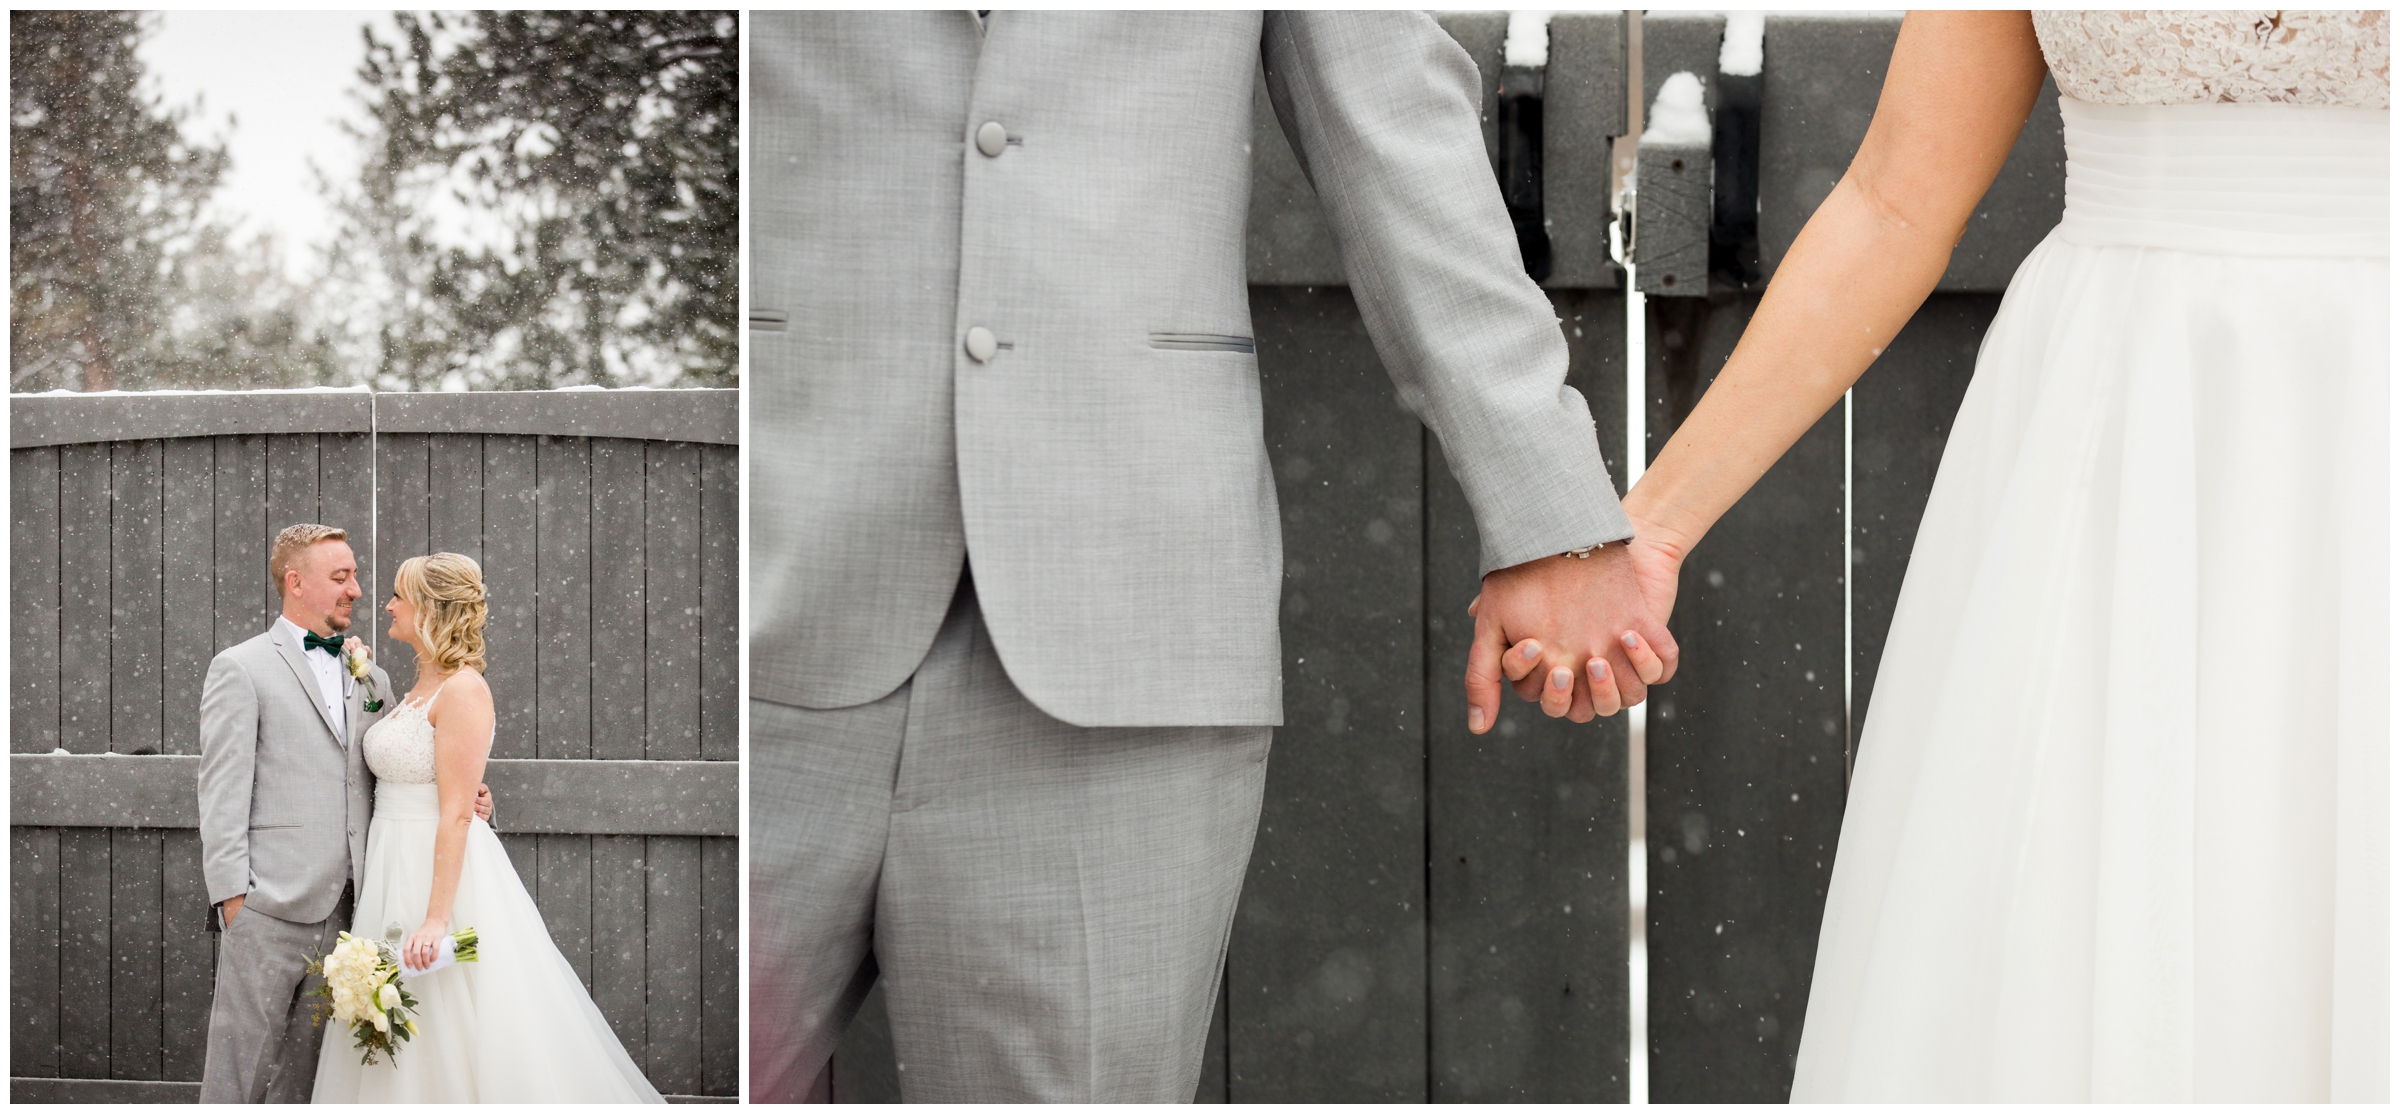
x=1656, y=555
x=1657, y=563
x=425, y=944
x=1656, y=558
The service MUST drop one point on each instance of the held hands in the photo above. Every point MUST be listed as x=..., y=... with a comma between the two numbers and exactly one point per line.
x=1584, y=637
x=425, y=944
x=483, y=802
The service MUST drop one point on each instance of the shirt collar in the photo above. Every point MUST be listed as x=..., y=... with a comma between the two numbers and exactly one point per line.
x=297, y=632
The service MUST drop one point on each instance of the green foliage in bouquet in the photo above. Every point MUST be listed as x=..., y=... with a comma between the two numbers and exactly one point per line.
x=362, y=991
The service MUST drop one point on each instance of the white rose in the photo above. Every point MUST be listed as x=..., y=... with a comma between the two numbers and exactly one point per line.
x=357, y=656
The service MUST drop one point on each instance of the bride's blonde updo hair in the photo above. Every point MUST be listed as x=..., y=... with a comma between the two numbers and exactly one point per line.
x=447, y=591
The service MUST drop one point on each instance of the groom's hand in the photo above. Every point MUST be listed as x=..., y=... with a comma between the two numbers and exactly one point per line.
x=229, y=907
x=1575, y=634
x=483, y=802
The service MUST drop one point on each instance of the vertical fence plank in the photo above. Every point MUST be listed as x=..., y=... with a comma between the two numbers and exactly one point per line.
x=83, y=952
x=619, y=648
x=402, y=497
x=293, y=471
x=563, y=553
x=510, y=578
x=245, y=597
x=720, y=603
x=674, y=621
x=136, y=621
x=455, y=463
x=1905, y=405
x=524, y=857
x=189, y=592
x=563, y=872
x=34, y=952
x=1327, y=965
x=620, y=915
x=83, y=605
x=1526, y=824
x=190, y=968
x=346, y=498
x=33, y=597
x=720, y=964
x=136, y=993
x=673, y=1015
x=1745, y=770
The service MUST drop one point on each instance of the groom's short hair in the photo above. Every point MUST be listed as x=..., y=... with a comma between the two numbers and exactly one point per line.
x=294, y=541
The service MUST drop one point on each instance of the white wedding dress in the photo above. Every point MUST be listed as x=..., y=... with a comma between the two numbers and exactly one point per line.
x=2119, y=823
x=514, y=1026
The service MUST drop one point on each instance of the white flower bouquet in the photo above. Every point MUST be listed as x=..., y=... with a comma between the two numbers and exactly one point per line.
x=363, y=990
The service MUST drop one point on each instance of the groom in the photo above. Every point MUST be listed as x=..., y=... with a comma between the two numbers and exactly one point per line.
x=284, y=802
x=1015, y=554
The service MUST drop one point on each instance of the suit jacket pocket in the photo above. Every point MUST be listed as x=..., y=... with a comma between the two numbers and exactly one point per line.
x=1202, y=342
x=769, y=320
x=271, y=827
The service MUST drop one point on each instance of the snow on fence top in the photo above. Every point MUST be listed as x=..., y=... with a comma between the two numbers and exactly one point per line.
x=1678, y=116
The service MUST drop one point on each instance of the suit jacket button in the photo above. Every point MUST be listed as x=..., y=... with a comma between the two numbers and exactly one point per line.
x=981, y=344
x=991, y=139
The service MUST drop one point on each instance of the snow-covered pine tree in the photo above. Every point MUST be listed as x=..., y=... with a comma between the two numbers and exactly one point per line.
x=548, y=199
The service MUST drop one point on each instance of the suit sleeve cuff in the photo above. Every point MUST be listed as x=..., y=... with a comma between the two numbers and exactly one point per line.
x=1595, y=522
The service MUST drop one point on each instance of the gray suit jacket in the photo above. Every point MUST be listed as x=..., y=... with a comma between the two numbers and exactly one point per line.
x=284, y=799
x=1105, y=467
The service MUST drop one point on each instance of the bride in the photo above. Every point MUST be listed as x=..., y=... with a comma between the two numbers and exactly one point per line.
x=516, y=1025
x=2119, y=821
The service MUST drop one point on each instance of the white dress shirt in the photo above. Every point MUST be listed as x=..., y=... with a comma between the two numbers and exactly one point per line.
x=332, y=679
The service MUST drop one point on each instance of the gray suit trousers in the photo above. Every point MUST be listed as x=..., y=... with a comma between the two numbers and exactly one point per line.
x=262, y=1032
x=1046, y=905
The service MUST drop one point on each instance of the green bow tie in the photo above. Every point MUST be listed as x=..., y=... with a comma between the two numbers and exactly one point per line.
x=311, y=640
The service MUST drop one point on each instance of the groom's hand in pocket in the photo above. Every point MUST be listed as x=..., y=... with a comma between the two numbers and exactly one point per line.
x=1575, y=635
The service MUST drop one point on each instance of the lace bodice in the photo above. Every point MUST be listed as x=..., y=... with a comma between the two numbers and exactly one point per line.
x=400, y=745
x=2203, y=57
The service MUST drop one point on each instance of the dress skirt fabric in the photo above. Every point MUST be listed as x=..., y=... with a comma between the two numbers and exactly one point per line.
x=514, y=1026
x=2118, y=823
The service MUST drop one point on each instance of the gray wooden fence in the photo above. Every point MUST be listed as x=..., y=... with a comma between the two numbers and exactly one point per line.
x=1435, y=916
x=605, y=523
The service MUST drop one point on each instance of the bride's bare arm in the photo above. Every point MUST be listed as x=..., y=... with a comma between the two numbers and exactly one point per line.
x=462, y=741
x=1959, y=89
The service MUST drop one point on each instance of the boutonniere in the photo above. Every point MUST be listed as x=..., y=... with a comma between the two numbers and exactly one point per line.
x=360, y=661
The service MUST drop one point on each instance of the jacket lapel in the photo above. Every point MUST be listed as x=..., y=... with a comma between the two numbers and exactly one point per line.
x=360, y=692
x=308, y=683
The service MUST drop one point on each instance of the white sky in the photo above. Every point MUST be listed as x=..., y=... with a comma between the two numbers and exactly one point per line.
x=286, y=78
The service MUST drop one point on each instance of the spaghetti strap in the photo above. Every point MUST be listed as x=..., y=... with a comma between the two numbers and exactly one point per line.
x=427, y=703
